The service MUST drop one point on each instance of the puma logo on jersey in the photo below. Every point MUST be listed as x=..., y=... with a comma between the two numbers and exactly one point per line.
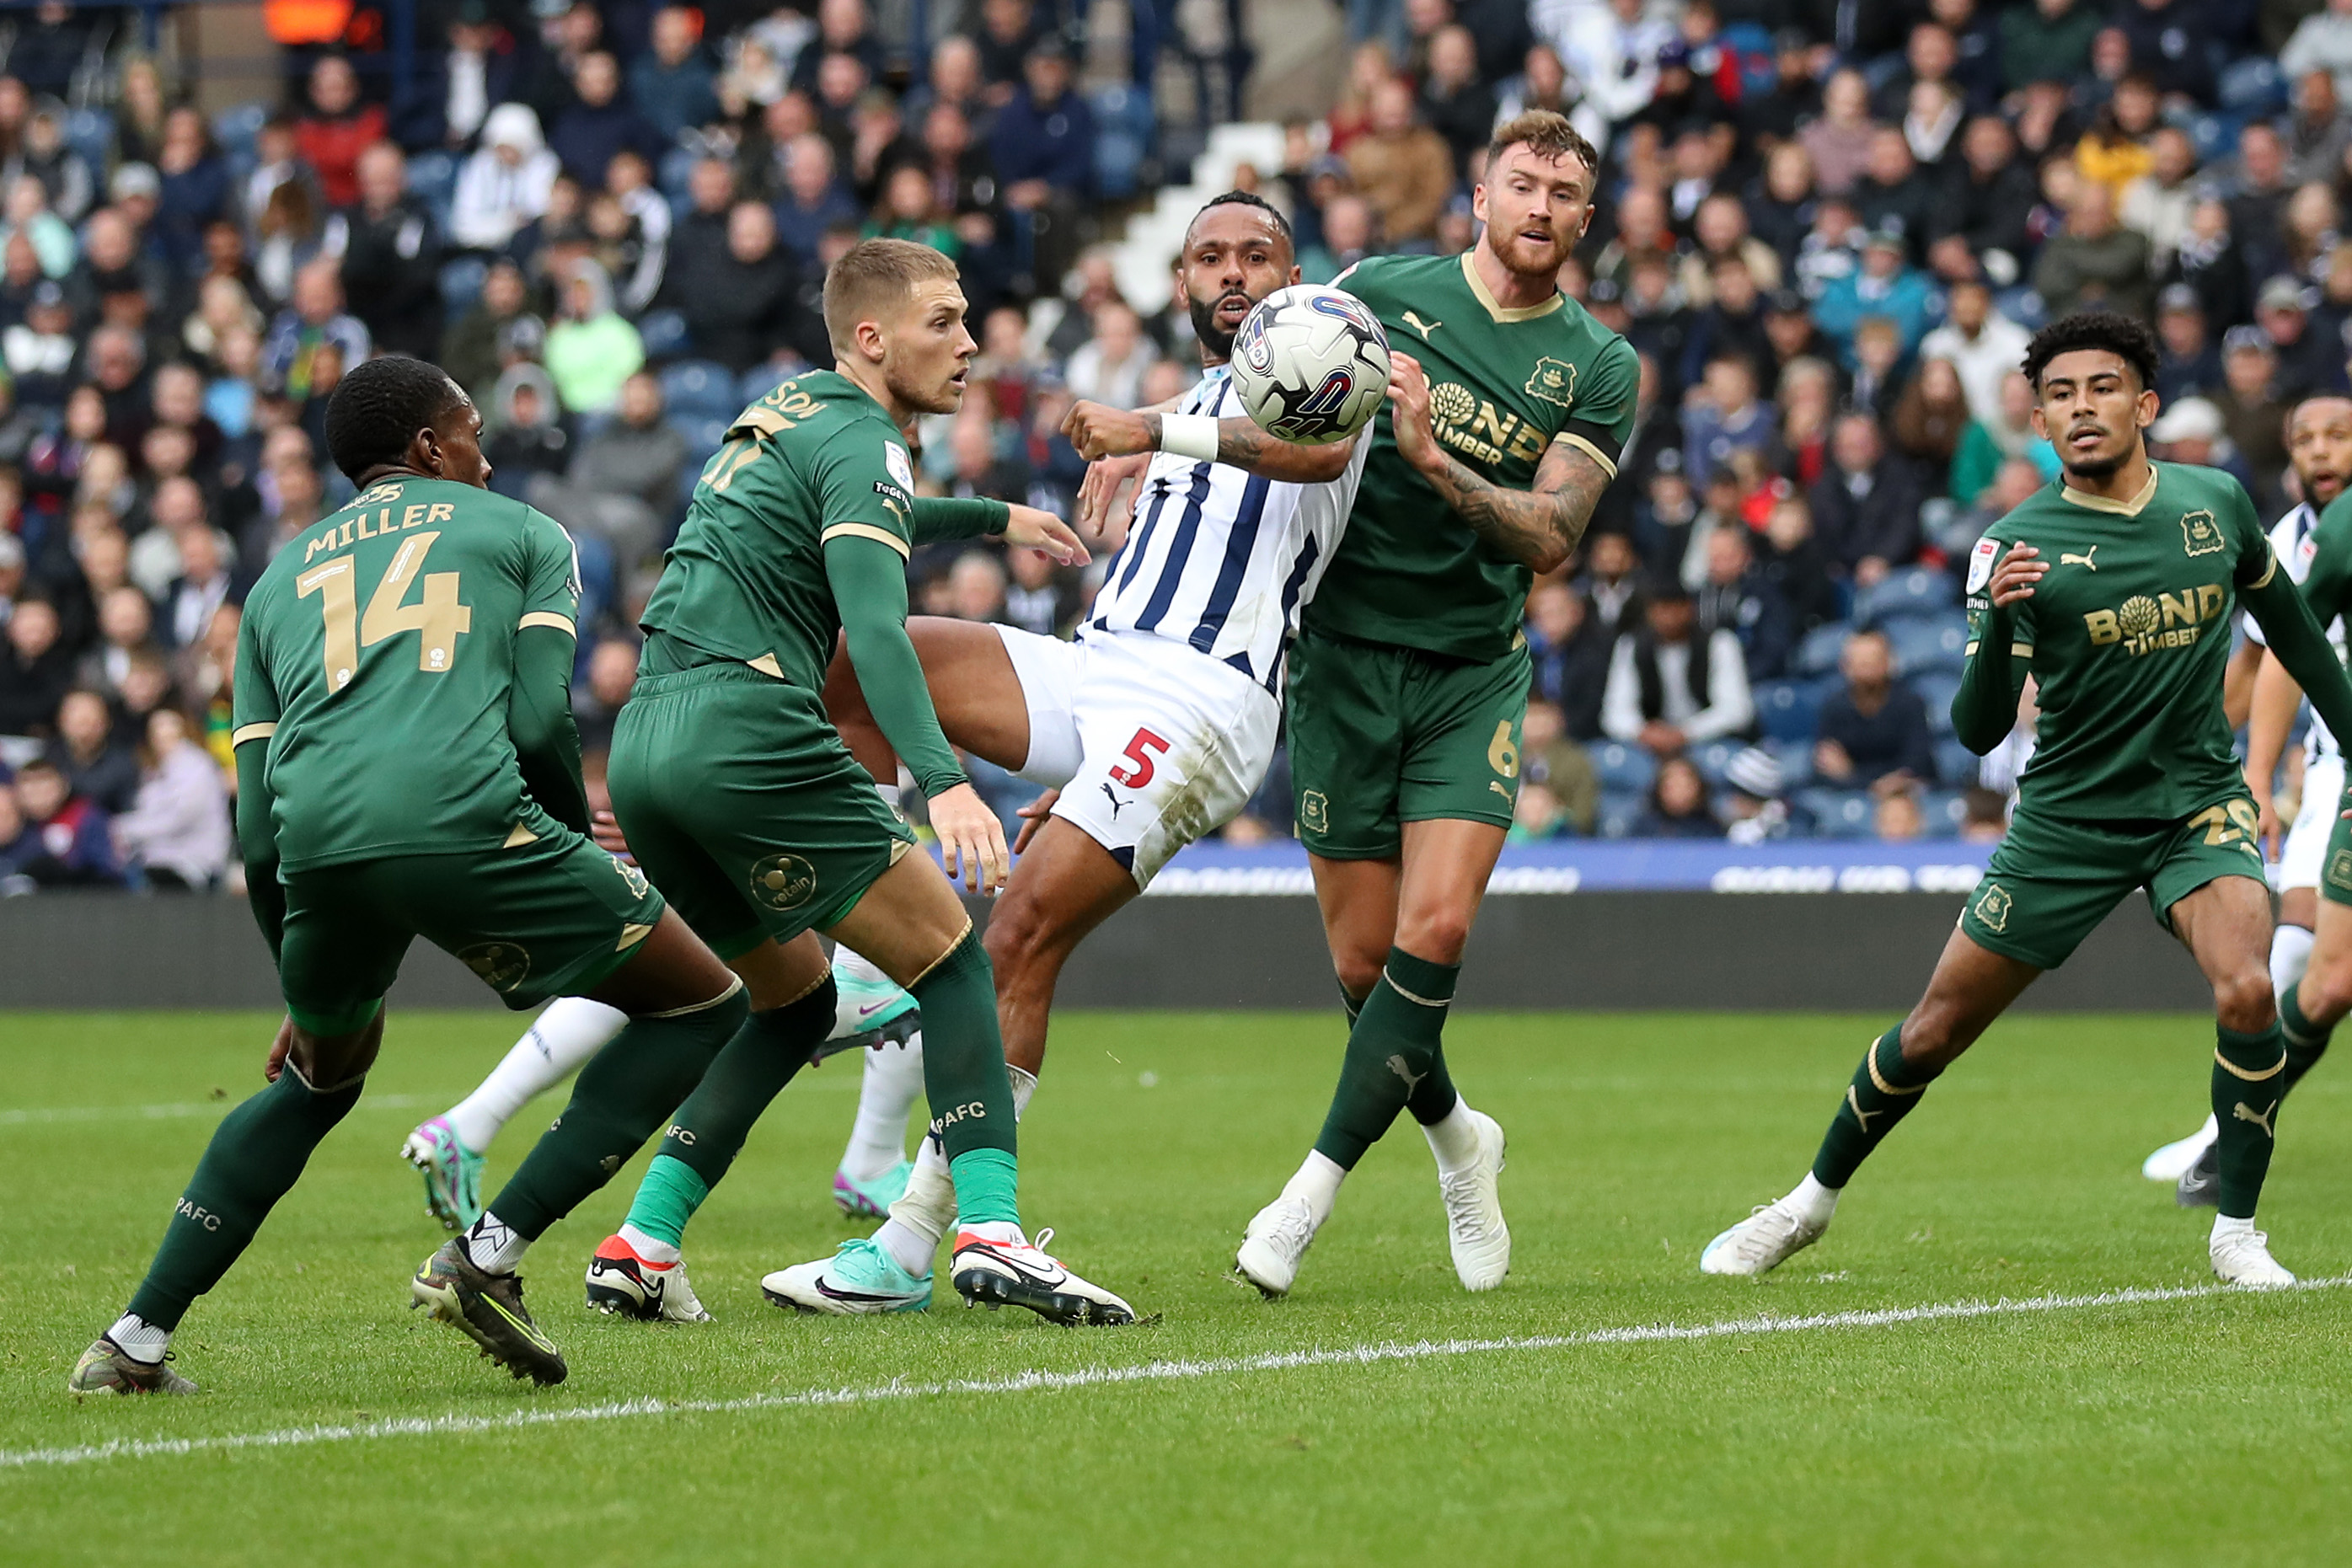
x=1115, y=802
x=1413, y=319
x=2240, y=1113
x=2084, y=559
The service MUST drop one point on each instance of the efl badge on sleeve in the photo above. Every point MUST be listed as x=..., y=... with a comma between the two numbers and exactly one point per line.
x=1980, y=562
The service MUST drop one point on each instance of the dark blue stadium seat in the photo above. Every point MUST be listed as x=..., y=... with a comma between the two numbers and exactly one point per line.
x=1623, y=768
x=1790, y=710
x=1618, y=813
x=699, y=388
x=1817, y=654
x=1943, y=812
x=1956, y=764
x=1713, y=757
x=1839, y=813
x=461, y=282
x=433, y=177
x=760, y=379
x=90, y=132
x=1796, y=760
x=663, y=332
x=1915, y=591
x=1936, y=690
x=704, y=434
x=236, y=129
x=1922, y=646
x=1124, y=126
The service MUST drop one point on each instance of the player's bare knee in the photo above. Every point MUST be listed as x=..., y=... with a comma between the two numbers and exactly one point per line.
x=1357, y=973
x=1438, y=935
x=2242, y=1001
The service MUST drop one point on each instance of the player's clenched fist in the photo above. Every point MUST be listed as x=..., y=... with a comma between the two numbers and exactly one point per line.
x=2018, y=570
x=1097, y=429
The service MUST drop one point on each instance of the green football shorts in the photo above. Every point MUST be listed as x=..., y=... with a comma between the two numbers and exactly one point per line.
x=549, y=916
x=2336, y=871
x=1381, y=735
x=2052, y=881
x=742, y=804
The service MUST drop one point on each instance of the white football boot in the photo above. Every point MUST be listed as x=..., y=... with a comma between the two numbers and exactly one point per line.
x=2168, y=1162
x=1278, y=1237
x=1762, y=1241
x=1481, y=1242
x=2242, y=1255
x=1019, y=1273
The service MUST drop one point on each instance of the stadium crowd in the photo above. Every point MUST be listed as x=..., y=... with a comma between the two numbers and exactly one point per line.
x=1827, y=226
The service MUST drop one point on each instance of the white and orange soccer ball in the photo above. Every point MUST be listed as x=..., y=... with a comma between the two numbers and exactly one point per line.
x=1311, y=364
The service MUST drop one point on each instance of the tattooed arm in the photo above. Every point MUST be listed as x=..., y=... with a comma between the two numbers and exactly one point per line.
x=1539, y=528
x=1099, y=432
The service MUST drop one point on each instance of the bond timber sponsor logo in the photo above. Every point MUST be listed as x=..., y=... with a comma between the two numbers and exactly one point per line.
x=1314, y=813
x=783, y=881
x=1992, y=907
x=2339, y=869
x=1554, y=381
x=1476, y=428
x=501, y=965
x=2199, y=534
x=2142, y=625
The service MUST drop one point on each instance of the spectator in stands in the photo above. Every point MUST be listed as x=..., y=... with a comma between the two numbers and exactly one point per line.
x=1873, y=731
x=1752, y=801
x=1839, y=141
x=526, y=439
x=71, y=842
x=1041, y=598
x=2160, y=202
x=176, y=833
x=35, y=670
x=2253, y=410
x=1898, y=817
x=1865, y=510
x=2308, y=361
x=1724, y=416
x=596, y=702
x=1736, y=596
x=46, y=239
x=1677, y=807
x=205, y=583
x=1349, y=236
x=979, y=470
x=2094, y=263
x=1893, y=197
x=1404, y=170
x=195, y=186
x=314, y=319
x=1793, y=561
x=623, y=483
x=1570, y=653
x=1548, y=757
x=1670, y=685
x=1883, y=287
x=976, y=587
x=390, y=249
x=469, y=351
x=336, y=127
x=505, y=183
x=1042, y=147
x=742, y=305
x=674, y=86
x=591, y=347
x=814, y=198
x=86, y=754
x=46, y=155
x=1454, y=102
x=2048, y=40
x=126, y=617
x=1932, y=427
x=1108, y=367
x=1982, y=344
x=585, y=137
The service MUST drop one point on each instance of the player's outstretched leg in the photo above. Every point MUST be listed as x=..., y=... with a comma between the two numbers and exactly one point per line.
x=2189, y=1165
x=683, y=1007
x=449, y=1148
x=2226, y=924
x=640, y=1271
x=911, y=923
x=1971, y=987
x=255, y=1158
x=873, y=1168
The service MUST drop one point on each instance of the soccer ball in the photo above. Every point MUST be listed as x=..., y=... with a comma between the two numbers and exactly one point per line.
x=1311, y=364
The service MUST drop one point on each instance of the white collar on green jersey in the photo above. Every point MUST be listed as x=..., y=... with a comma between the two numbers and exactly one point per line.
x=1506, y=312
x=2131, y=509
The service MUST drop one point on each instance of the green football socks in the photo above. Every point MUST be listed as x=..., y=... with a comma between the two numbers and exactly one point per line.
x=709, y=1128
x=1884, y=1090
x=2306, y=1041
x=965, y=1080
x=256, y=1156
x=621, y=1098
x=1394, y=1058
x=2250, y=1078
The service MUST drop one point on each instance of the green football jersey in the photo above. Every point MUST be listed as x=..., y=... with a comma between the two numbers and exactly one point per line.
x=2127, y=636
x=376, y=656
x=1504, y=384
x=2326, y=553
x=813, y=460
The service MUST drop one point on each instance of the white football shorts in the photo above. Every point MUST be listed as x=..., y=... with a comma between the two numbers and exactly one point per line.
x=1152, y=744
x=2306, y=842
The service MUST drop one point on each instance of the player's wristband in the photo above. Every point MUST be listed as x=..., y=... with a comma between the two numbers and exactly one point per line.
x=1192, y=436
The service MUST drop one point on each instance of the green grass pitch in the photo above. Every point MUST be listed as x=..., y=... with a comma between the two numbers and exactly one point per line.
x=2183, y=1429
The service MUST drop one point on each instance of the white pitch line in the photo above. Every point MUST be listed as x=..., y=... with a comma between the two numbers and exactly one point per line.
x=1105, y=1376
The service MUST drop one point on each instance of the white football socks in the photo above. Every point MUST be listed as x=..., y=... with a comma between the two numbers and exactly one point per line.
x=1814, y=1200
x=2223, y=1227
x=1316, y=1184
x=139, y=1340
x=911, y=1234
x=877, y=1139
x=651, y=1249
x=2290, y=956
x=558, y=1045
x=492, y=1245
x=1455, y=1140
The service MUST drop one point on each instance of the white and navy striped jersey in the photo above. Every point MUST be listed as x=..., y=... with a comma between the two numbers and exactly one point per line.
x=2291, y=543
x=1219, y=560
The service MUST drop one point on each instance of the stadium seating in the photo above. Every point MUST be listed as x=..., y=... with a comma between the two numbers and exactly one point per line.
x=699, y=388
x=1790, y=710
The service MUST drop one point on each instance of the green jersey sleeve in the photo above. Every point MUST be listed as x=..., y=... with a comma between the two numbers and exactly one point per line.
x=2256, y=562
x=253, y=709
x=865, y=485
x=2327, y=587
x=551, y=576
x=1602, y=421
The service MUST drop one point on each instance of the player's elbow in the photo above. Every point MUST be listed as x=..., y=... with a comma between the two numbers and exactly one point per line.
x=1546, y=556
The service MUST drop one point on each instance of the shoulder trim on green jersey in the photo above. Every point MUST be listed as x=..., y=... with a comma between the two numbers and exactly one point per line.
x=1499, y=311
x=548, y=618
x=246, y=732
x=2131, y=509
x=2268, y=572
x=866, y=531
